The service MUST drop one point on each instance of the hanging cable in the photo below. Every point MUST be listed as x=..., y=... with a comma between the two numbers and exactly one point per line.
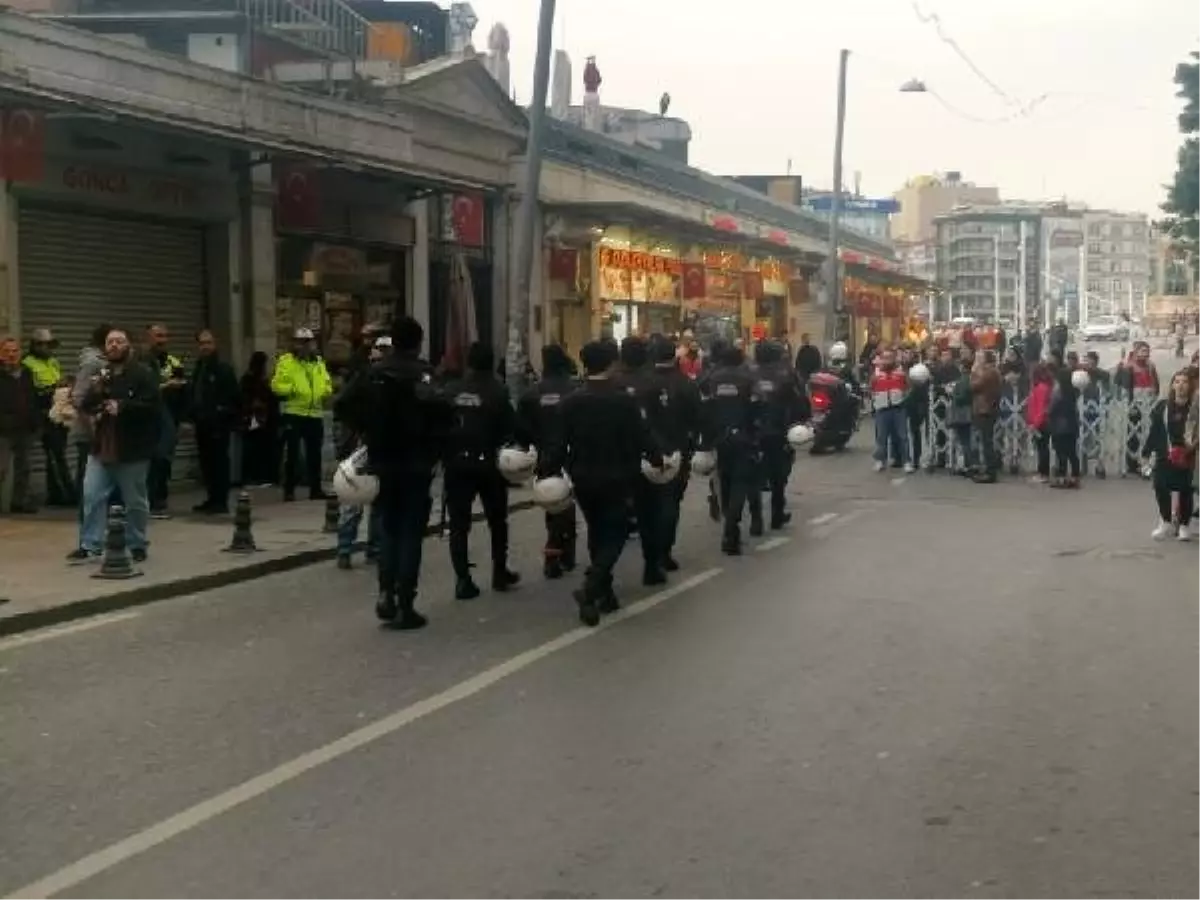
x=935, y=20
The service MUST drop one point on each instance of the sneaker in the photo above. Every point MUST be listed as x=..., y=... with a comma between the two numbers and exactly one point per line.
x=879, y=467
x=909, y=468
x=1039, y=479
x=1184, y=534
x=1163, y=531
x=138, y=554
x=160, y=514
x=80, y=555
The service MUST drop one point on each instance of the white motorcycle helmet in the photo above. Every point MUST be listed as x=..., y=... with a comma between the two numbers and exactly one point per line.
x=800, y=435
x=517, y=465
x=1080, y=379
x=704, y=463
x=352, y=484
x=919, y=374
x=553, y=494
x=670, y=468
x=838, y=352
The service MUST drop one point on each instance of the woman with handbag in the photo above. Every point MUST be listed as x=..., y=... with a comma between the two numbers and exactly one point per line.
x=1171, y=448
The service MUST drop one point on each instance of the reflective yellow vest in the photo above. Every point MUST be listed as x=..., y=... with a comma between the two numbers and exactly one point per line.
x=302, y=385
x=47, y=373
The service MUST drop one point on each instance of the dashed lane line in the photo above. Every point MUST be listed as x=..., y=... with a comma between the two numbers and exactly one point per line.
x=822, y=519
x=771, y=544
x=136, y=844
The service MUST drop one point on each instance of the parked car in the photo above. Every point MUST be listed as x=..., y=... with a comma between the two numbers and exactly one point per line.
x=1105, y=328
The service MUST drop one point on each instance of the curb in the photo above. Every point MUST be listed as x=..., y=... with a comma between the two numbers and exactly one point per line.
x=194, y=584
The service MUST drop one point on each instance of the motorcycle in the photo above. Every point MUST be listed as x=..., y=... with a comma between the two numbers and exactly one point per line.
x=835, y=412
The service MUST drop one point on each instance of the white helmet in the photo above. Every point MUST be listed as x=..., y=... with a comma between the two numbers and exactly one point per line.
x=704, y=463
x=517, y=465
x=919, y=374
x=553, y=494
x=670, y=468
x=838, y=352
x=1080, y=379
x=352, y=483
x=800, y=435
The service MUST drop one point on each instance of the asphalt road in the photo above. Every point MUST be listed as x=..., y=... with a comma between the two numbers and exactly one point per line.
x=925, y=688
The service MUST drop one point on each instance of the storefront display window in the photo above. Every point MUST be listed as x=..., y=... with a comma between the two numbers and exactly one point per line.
x=638, y=292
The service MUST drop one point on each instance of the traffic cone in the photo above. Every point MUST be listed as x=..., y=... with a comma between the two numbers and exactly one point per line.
x=116, y=565
x=331, y=515
x=243, y=538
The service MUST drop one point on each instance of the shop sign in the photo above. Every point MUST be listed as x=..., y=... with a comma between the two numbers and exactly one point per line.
x=158, y=190
x=612, y=258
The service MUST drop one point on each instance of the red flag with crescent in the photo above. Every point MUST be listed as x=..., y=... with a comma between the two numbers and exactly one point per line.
x=466, y=212
x=297, y=201
x=22, y=145
x=692, y=276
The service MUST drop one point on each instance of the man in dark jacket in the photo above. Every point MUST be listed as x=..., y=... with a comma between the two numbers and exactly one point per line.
x=125, y=403
x=484, y=422
x=19, y=418
x=808, y=358
x=213, y=407
x=403, y=419
x=785, y=403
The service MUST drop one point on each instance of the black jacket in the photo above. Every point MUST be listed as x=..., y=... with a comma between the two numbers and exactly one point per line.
x=539, y=411
x=215, y=400
x=808, y=360
x=784, y=401
x=483, y=420
x=20, y=410
x=732, y=407
x=400, y=414
x=1168, y=428
x=139, y=411
x=672, y=404
x=602, y=441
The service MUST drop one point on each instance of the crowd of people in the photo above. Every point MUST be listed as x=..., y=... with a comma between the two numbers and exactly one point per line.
x=624, y=434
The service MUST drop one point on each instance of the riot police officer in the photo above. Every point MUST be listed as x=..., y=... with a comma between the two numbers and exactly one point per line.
x=403, y=420
x=483, y=422
x=784, y=403
x=600, y=445
x=540, y=422
x=673, y=413
x=731, y=414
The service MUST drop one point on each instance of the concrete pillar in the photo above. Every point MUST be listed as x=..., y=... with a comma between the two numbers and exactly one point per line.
x=502, y=270
x=10, y=295
x=255, y=236
x=417, y=300
x=222, y=250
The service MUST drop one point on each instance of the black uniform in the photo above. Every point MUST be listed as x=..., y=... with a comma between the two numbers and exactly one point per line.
x=672, y=403
x=484, y=421
x=403, y=420
x=731, y=426
x=600, y=446
x=215, y=403
x=539, y=421
x=784, y=404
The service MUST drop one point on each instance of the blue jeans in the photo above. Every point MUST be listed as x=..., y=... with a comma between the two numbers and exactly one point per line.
x=349, y=519
x=99, y=480
x=891, y=424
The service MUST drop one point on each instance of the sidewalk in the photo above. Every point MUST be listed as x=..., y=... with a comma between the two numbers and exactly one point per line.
x=187, y=554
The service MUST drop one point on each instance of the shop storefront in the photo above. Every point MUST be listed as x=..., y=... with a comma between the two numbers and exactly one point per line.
x=341, y=258
x=639, y=292
x=460, y=224
x=878, y=309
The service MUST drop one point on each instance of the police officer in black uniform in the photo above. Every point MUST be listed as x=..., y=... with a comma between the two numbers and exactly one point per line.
x=402, y=419
x=673, y=412
x=731, y=424
x=483, y=422
x=540, y=422
x=784, y=404
x=600, y=446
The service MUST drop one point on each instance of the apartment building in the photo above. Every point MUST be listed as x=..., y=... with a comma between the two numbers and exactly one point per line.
x=1116, y=258
x=981, y=253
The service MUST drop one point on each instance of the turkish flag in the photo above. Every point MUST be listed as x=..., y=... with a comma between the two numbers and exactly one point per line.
x=297, y=199
x=693, y=281
x=22, y=145
x=466, y=213
x=564, y=263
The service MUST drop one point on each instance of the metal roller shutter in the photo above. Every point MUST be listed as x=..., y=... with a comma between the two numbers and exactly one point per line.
x=79, y=269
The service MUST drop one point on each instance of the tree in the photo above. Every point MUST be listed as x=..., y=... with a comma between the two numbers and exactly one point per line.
x=1183, y=194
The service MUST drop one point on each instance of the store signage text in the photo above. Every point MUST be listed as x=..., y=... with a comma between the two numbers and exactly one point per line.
x=636, y=260
x=115, y=183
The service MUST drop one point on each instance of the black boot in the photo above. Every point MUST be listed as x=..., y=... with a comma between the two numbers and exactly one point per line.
x=780, y=521
x=756, y=528
x=465, y=588
x=386, y=608
x=503, y=579
x=669, y=564
x=589, y=611
x=609, y=603
x=553, y=568
x=652, y=575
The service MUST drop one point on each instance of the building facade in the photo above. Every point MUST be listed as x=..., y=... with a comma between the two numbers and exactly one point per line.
x=923, y=199
x=1116, y=253
x=989, y=263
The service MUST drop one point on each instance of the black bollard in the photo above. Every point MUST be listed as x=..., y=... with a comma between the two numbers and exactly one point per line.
x=331, y=515
x=116, y=565
x=243, y=537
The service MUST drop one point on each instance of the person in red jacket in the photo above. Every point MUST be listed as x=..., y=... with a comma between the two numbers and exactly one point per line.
x=1037, y=416
x=889, y=393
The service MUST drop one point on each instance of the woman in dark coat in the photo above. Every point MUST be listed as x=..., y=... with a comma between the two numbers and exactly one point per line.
x=259, y=424
x=1064, y=429
x=1171, y=444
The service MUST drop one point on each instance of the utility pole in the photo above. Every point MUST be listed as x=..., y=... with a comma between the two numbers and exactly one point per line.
x=996, y=277
x=833, y=271
x=1082, y=292
x=1022, y=282
x=516, y=357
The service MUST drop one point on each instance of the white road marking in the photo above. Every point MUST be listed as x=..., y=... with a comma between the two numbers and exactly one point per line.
x=102, y=860
x=899, y=481
x=822, y=519
x=771, y=544
x=838, y=523
x=46, y=634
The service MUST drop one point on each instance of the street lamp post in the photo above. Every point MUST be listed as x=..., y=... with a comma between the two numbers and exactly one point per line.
x=833, y=272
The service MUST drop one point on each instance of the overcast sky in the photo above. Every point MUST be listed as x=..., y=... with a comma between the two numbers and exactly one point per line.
x=756, y=80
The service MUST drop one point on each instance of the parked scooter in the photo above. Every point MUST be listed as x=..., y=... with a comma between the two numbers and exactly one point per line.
x=835, y=411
